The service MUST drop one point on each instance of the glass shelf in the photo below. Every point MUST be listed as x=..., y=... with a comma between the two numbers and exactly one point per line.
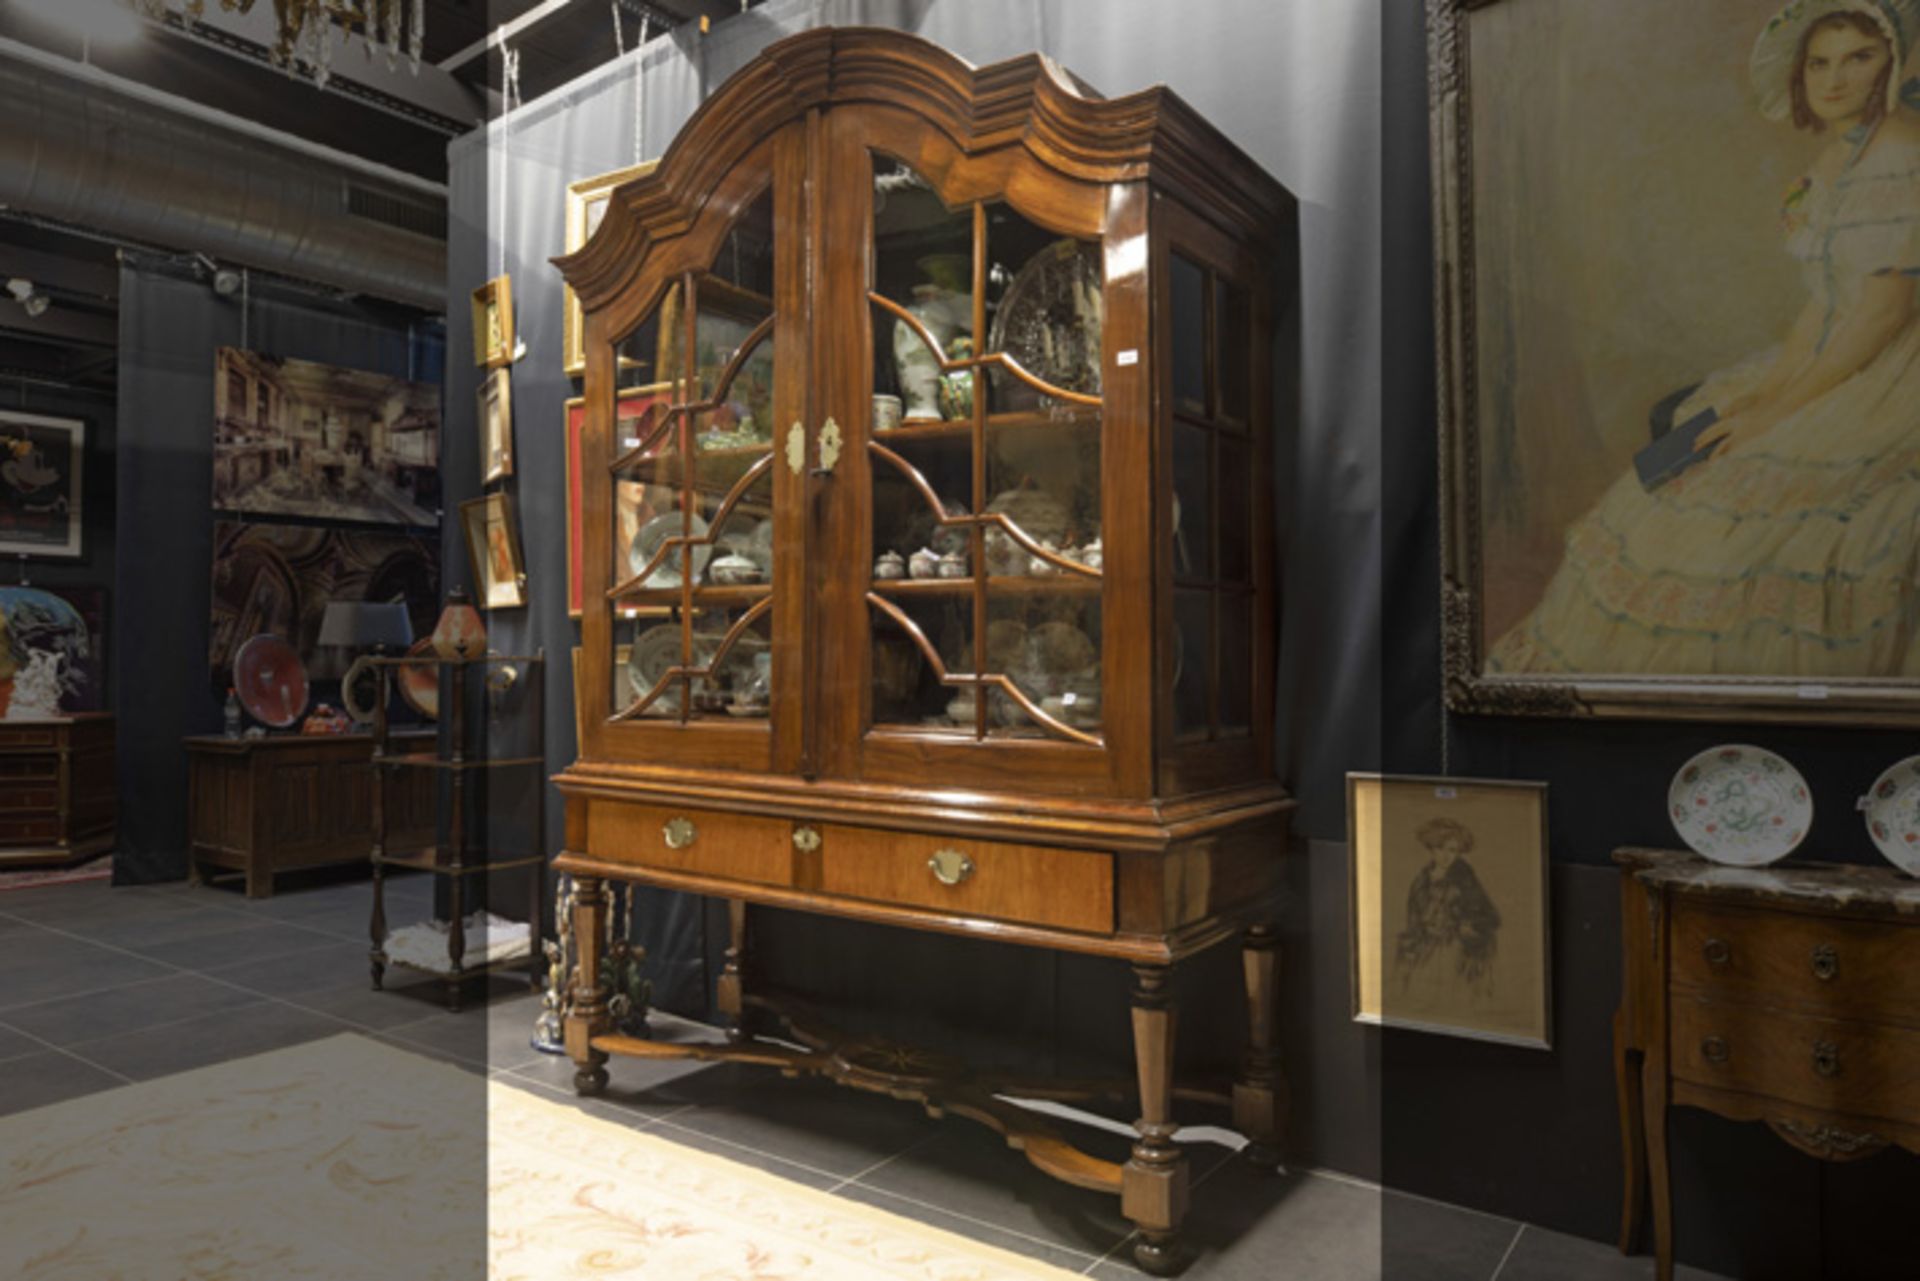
x=1044, y=585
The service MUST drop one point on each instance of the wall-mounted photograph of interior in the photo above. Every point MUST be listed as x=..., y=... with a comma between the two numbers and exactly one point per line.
x=295, y=438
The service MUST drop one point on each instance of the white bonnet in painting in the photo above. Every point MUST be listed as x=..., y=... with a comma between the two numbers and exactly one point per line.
x=1771, y=66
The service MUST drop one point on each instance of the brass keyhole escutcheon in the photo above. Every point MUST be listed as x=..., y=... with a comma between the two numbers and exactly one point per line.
x=679, y=833
x=806, y=839
x=830, y=443
x=1826, y=962
x=950, y=866
x=1718, y=952
x=1826, y=1058
x=796, y=448
x=1714, y=1050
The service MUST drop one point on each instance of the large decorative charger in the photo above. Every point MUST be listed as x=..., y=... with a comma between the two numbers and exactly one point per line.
x=1892, y=811
x=271, y=681
x=1740, y=805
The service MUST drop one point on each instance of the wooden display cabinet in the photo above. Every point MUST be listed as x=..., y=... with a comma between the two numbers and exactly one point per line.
x=868, y=292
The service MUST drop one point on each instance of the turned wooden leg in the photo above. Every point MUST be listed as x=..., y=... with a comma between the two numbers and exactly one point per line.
x=588, y=1014
x=731, y=996
x=1260, y=1094
x=377, y=927
x=1153, y=1183
x=1653, y=1090
x=1633, y=1150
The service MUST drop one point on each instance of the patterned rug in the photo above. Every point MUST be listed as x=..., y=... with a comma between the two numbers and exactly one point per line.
x=99, y=869
x=348, y=1159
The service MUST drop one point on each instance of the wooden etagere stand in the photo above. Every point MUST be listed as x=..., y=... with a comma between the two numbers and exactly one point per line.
x=465, y=855
x=979, y=637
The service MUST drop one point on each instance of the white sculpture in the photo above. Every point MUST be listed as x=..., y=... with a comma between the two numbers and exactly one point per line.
x=36, y=687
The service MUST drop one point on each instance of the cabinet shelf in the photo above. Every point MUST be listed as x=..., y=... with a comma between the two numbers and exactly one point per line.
x=997, y=585
x=717, y=596
x=425, y=760
x=913, y=430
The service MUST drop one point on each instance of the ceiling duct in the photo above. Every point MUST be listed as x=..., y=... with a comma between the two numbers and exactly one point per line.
x=88, y=148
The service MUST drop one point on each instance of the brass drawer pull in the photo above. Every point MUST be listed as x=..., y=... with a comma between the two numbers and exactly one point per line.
x=679, y=833
x=1714, y=1050
x=806, y=839
x=1718, y=952
x=950, y=866
x=1826, y=962
x=1826, y=1058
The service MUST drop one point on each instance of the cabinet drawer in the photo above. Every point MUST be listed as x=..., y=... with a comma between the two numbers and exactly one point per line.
x=1860, y=968
x=740, y=847
x=29, y=831
x=1838, y=1065
x=37, y=798
x=1031, y=884
x=23, y=737
x=31, y=767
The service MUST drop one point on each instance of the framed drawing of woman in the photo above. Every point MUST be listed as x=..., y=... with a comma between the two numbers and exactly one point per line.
x=1677, y=253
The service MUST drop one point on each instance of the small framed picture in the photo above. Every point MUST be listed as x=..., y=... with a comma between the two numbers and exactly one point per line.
x=41, y=460
x=586, y=206
x=495, y=412
x=1450, y=906
x=493, y=549
x=493, y=323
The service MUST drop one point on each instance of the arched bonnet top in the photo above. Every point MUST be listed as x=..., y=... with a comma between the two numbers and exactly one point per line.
x=1027, y=101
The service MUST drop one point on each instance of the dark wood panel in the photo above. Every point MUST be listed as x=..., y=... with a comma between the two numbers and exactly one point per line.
x=56, y=790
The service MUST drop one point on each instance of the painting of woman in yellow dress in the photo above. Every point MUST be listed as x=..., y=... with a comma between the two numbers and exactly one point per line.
x=1786, y=542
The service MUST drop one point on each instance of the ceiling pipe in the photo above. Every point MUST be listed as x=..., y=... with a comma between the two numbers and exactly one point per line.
x=84, y=146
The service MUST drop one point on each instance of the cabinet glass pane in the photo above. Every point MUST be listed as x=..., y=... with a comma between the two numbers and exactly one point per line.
x=1187, y=334
x=907, y=689
x=1192, y=503
x=1234, y=342
x=1045, y=308
x=1192, y=656
x=1048, y=645
x=1236, y=663
x=1043, y=476
x=1236, y=508
x=714, y=677
x=923, y=262
x=908, y=538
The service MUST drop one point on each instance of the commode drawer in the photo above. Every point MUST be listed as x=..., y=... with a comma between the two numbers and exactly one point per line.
x=1836, y=1064
x=740, y=847
x=1031, y=884
x=1860, y=968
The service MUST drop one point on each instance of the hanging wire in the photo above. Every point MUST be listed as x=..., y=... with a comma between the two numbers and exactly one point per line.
x=510, y=96
x=619, y=36
x=640, y=90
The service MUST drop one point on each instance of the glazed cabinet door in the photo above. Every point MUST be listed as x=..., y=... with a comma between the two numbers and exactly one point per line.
x=696, y=380
x=984, y=579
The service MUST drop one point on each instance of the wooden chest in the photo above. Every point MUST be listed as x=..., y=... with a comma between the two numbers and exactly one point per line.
x=56, y=790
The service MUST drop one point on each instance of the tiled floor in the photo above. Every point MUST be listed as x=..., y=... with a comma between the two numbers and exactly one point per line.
x=107, y=986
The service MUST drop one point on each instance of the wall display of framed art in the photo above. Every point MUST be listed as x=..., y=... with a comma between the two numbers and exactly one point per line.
x=295, y=438
x=1450, y=906
x=493, y=336
x=42, y=461
x=631, y=497
x=1679, y=408
x=493, y=552
x=494, y=404
x=278, y=579
x=586, y=206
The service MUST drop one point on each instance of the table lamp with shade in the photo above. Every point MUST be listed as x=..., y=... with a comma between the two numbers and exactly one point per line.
x=381, y=627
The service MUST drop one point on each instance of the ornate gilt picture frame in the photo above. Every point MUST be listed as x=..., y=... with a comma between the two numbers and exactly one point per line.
x=1643, y=513
x=586, y=205
x=493, y=335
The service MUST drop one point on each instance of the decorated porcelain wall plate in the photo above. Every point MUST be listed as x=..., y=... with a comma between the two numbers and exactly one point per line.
x=1892, y=811
x=1740, y=805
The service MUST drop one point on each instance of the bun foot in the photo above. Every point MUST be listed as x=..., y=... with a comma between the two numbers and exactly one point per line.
x=1158, y=1254
x=590, y=1082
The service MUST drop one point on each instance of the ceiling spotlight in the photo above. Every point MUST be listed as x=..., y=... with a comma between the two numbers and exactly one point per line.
x=226, y=282
x=20, y=287
x=36, y=304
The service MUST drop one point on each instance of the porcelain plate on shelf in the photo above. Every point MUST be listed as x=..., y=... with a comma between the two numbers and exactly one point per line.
x=1740, y=805
x=1892, y=811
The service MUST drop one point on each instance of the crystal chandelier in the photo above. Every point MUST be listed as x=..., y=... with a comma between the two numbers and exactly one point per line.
x=306, y=35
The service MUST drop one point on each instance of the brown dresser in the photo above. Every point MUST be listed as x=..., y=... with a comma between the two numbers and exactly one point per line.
x=266, y=805
x=1789, y=995
x=56, y=790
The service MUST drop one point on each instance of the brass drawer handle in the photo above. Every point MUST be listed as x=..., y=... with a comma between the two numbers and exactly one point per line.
x=680, y=833
x=1714, y=1050
x=950, y=866
x=806, y=839
x=1826, y=1058
x=1826, y=962
x=1718, y=952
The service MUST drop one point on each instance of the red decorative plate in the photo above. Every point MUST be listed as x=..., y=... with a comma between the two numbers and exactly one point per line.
x=271, y=681
x=420, y=682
